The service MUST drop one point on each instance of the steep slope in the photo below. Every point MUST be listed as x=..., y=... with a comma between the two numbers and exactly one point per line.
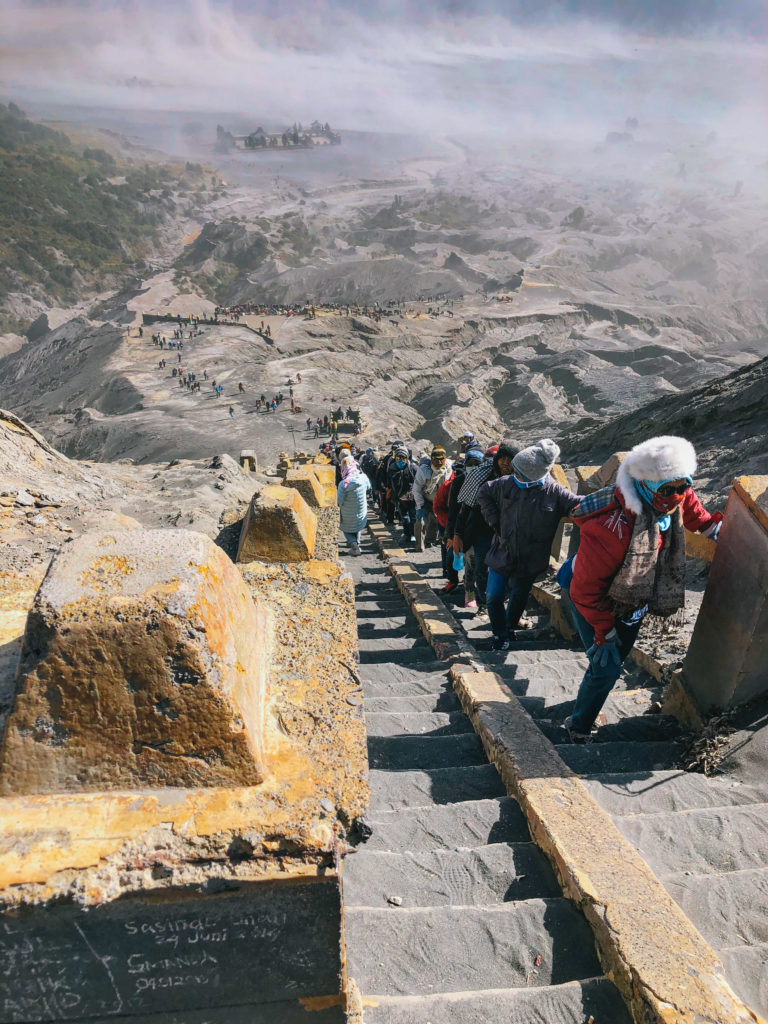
x=726, y=420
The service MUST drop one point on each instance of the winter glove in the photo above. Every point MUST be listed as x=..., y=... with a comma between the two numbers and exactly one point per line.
x=713, y=530
x=421, y=513
x=605, y=655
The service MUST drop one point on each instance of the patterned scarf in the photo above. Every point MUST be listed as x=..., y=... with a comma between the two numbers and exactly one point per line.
x=473, y=481
x=649, y=575
x=350, y=473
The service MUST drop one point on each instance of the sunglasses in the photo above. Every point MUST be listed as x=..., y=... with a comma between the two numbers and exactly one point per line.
x=669, y=490
x=438, y=458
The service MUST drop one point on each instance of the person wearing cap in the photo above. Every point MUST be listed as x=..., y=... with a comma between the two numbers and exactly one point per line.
x=472, y=534
x=401, y=475
x=630, y=561
x=466, y=439
x=524, y=510
x=425, y=487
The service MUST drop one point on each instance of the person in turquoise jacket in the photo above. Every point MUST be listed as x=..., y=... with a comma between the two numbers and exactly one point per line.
x=352, y=499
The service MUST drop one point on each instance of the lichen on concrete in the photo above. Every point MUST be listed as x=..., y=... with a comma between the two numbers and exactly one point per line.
x=144, y=663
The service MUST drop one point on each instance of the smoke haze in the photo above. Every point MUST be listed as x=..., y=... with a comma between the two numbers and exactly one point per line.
x=452, y=68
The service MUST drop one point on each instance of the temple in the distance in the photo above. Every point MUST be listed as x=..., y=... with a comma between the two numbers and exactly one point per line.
x=295, y=137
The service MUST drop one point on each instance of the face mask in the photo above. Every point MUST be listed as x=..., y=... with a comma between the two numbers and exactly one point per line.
x=662, y=504
x=525, y=484
x=400, y=463
x=666, y=505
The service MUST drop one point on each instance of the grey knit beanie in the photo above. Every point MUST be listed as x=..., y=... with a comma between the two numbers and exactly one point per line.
x=535, y=462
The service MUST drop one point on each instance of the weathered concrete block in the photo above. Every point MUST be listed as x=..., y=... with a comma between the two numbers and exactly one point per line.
x=167, y=956
x=278, y=527
x=606, y=474
x=143, y=664
x=248, y=460
x=558, y=548
x=583, y=474
x=726, y=661
x=307, y=484
x=327, y=476
x=327, y=542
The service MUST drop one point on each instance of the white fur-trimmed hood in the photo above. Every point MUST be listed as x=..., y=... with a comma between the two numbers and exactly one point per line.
x=658, y=458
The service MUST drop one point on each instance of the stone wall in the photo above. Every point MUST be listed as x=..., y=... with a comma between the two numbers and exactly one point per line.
x=213, y=892
x=727, y=661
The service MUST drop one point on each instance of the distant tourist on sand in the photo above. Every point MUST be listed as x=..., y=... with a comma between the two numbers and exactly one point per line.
x=231, y=412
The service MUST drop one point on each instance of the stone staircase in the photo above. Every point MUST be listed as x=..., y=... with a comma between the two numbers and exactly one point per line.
x=452, y=913
x=702, y=837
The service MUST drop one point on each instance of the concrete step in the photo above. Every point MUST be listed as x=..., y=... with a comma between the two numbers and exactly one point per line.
x=414, y=723
x=402, y=651
x=393, y=644
x=444, y=700
x=641, y=729
x=552, y=683
x=572, y=1003
x=466, y=825
x=659, y=792
x=390, y=628
x=419, y=951
x=391, y=790
x=404, y=753
x=545, y=658
x=486, y=875
x=745, y=971
x=609, y=758
x=704, y=841
x=425, y=676
x=729, y=910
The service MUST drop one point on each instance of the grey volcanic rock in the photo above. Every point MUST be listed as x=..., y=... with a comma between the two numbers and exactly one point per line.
x=726, y=420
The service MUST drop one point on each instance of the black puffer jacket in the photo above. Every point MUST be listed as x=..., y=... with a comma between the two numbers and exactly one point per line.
x=524, y=521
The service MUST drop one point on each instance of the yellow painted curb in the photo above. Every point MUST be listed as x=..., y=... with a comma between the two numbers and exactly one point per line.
x=666, y=972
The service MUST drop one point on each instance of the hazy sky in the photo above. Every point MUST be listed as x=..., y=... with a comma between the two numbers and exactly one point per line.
x=444, y=66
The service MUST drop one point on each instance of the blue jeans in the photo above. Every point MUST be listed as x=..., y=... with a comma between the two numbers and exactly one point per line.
x=407, y=511
x=352, y=538
x=598, y=683
x=480, y=548
x=502, y=623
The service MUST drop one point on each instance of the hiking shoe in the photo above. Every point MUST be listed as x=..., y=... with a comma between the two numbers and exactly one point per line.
x=574, y=736
x=482, y=613
x=354, y=549
x=500, y=643
x=449, y=586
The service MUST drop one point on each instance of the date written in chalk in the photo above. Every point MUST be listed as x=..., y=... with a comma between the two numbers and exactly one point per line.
x=209, y=929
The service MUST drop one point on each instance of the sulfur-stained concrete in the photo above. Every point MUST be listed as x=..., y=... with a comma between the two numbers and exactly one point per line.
x=279, y=526
x=308, y=484
x=144, y=663
x=317, y=703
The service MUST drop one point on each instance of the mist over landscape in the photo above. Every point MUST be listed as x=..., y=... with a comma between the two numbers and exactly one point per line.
x=563, y=208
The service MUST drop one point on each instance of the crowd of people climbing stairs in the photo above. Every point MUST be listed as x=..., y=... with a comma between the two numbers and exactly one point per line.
x=494, y=511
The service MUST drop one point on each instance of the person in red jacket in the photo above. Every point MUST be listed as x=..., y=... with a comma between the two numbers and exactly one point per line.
x=440, y=509
x=630, y=561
